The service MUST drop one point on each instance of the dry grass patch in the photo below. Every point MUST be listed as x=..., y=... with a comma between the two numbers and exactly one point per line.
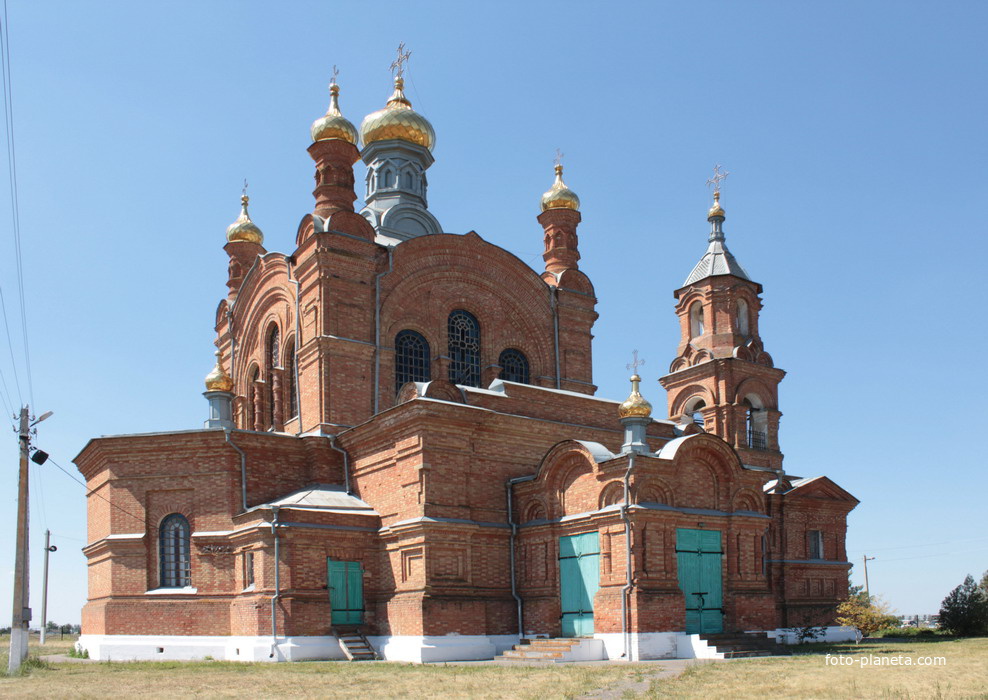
x=219, y=679
x=808, y=675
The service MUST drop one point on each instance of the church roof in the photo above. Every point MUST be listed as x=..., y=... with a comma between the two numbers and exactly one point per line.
x=323, y=497
x=718, y=260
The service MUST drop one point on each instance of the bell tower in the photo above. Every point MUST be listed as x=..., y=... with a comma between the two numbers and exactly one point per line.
x=722, y=378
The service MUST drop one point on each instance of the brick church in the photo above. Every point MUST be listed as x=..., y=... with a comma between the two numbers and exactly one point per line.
x=404, y=443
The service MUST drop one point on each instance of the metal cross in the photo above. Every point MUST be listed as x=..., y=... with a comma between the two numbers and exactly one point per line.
x=719, y=177
x=398, y=65
x=336, y=72
x=244, y=191
x=559, y=157
x=635, y=362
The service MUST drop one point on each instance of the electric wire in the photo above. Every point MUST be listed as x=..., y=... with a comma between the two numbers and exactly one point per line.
x=90, y=491
x=917, y=546
x=41, y=494
x=15, y=210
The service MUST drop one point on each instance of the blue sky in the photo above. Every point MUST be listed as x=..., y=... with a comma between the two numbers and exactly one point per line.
x=853, y=131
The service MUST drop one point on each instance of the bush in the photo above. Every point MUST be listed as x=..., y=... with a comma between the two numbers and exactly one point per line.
x=868, y=614
x=965, y=610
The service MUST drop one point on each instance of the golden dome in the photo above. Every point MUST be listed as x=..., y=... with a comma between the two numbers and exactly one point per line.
x=559, y=195
x=218, y=380
x=635, y=406
x=243, y=229
x=716, y=209
x=398, y=121
x=334, y=125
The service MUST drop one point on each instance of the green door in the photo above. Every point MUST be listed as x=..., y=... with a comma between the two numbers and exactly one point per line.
x=579, y=579
x=699, y=557
x=346, y=591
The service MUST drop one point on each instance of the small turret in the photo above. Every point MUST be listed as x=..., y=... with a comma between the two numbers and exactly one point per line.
x=219, y=393
x=559, y=218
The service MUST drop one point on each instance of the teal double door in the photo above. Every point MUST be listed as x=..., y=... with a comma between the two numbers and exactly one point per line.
x=579, y=579
x=699, y=556
x=346, y=591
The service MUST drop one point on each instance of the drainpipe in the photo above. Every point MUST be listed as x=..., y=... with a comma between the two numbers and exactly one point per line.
x=277, y=582
x=554, y=304
x=377, y=332
x=514, y=534
x=346, y=463
x=626, y=591
x=298, y=339
x=243, y=468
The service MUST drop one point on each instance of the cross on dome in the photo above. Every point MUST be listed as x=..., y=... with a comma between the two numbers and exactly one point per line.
x=635, y=362
x=398, y=65
x=719, y=176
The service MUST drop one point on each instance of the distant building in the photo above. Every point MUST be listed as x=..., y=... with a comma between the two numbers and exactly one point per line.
x=404, y=442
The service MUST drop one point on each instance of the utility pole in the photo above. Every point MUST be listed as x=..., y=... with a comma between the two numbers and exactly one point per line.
x=867, y=559
x=21, y=617
x=49, y=548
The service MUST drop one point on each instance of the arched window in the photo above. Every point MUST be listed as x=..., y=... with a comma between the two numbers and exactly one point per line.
x=406, y=180
x=173, y=548
x=274, y=338
x=464, y=349
x=514, y=366
x=756, y=422
x=272, y=355
x=693, y=407
x=290, y=370
x=696, y=320
x=387, y=178
x=743, y=317
x=412, y=359
x=250, y=394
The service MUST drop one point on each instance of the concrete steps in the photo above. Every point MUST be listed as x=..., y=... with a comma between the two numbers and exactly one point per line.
x=550, y=651
x=736, y=645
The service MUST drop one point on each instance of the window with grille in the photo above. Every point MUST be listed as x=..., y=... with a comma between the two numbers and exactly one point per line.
x=176, y=560
x=248, y=570
x=292, y=385
x=274, y=339
x=464, y=349
x=514, y=366
x=412, y=359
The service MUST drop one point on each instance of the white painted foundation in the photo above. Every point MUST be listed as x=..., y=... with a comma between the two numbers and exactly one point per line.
x=642, y=645
x=419, y=649
x=831, y=635
x=413, y=648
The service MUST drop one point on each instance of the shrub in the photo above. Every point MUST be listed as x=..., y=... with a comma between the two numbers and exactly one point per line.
x=868, y=614
x=965, y=610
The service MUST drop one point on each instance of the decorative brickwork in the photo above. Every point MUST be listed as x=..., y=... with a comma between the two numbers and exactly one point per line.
x=449, y=501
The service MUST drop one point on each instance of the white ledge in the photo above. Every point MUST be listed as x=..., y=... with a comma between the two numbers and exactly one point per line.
x=187, y=590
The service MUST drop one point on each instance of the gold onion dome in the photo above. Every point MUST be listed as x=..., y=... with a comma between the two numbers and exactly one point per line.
x=218, y=380
x=334, y=125
x=635, y=406
x=716, y=209
x=243, y=229
x=559, y=195
x=398, y=121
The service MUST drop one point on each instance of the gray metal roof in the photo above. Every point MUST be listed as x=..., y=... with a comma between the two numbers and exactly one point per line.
x=716, y=261
x=324, y=497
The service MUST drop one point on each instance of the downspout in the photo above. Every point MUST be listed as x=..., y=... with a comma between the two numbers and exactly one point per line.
x=277, y=582
x=298, y=340
x=514, y=534
x=377, y=333
x=346, y=463
x=626, y=591
x=554, y=304
x=243, y=468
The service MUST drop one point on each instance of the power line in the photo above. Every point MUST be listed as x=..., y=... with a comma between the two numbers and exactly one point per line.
x=15, y=208
x=917, y=546
x=89, y=491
